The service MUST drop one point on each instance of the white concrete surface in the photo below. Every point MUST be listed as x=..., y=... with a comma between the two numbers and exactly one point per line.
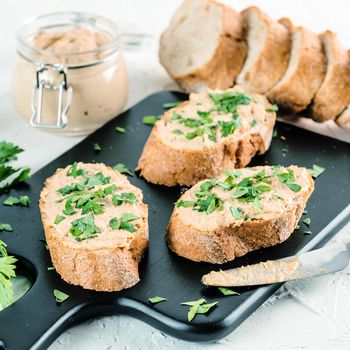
x=310, y=314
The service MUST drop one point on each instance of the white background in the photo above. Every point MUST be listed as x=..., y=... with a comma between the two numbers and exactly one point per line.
x=311, y=314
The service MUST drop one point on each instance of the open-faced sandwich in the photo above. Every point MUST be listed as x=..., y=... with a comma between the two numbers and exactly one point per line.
x=213, y=131
x=95, y=226
x=239, y=211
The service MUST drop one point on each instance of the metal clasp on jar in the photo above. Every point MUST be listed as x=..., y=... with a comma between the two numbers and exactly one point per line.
x=45, y=83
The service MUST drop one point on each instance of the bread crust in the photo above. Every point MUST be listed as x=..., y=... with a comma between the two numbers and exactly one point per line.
x=227, y=60
x=104, y=269
x=273, y=60
x=226, y=243
x=297, y=92
x=162, y=164
x=344, y=119
x=334, y=93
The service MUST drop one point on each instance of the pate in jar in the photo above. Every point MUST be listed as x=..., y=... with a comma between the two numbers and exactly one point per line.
x=70, y=76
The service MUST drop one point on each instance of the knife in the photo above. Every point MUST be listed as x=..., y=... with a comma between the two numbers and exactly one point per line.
x=332, y=258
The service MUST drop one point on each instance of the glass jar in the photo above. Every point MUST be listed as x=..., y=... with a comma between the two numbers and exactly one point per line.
x=72, y=90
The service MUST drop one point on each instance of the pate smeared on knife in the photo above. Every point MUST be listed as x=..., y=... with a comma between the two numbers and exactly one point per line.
x=95, y=226
x=239, y=211
x=213, y=131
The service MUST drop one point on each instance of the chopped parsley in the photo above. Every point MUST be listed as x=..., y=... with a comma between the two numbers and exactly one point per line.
x=272, y=108
x=307, y=232
x=5, y=227
x=227, y=102
x=275, y=133
x=171, y=104
x=287, y=178
x=227, y=291
x=185, y=204
x=125, y=197
x=23, y=201
x=237, y=213
x=177, y=132
x=228, y=127
x=68, y=208
x=75, y=172
x=316, y=171
x=7, y=273
x=207, y=201
x=150, y=119
x=120, y=129
x=307, y=221
x=60, y=297
x=197, y=307
x=58, y=219
x=84, y=228
x=122, y=169
x=124, y=223
x=156, y=299
x=96, y=180
x=96, y=147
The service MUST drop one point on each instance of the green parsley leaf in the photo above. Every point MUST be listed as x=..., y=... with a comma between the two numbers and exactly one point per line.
x=84, y=228
x=227, y=291
x=237, y=213
x=297, y=227
x=307, y=221
x=58, y=219
x=185, y=204
x=206, y=117
x=5, y=227
x=24, y=201
x=227, y=102
x=122, y=169
x=287, y=178
x=275, y=133
x=96, y=180
x=307, y=232
x=197, y=307
x=120, y=129
x=284, y=151
x=60, y=296
x=70, y=188
x=75, y=172
x=50, y=268
x=8, y=151
x=177, y=132
x=156, y=299
x=68, y=208
x=109, y=189
x=7, y=273
x=195, y=133
x=125, y=197
x=171, y=104
x=114, y=224
x=272, y=108
x=10, y=176
x=96, y=147
x=227, y=127
x=316, y=171
x=150, y=119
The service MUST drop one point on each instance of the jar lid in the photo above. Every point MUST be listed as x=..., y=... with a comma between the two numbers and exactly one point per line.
x=62, y=23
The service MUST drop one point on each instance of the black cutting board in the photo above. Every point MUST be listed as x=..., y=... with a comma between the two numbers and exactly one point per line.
x=36, y=320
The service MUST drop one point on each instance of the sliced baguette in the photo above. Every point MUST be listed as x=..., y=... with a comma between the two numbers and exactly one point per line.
x=170, y=158
x=334, y=93
x=109, y=261
x=305, y=72
x=269, y=45
x=204, y=46
x=218, y=236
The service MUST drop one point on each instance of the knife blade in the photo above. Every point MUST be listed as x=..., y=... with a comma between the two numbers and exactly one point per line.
x=332, y=258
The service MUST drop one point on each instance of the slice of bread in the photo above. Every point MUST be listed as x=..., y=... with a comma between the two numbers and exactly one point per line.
x=204, y=46
x=201, y=137
x=96, y=240
x=240, y=211
x=305, y=72
x=344, y=119
x=334, y=93
x=269, y=45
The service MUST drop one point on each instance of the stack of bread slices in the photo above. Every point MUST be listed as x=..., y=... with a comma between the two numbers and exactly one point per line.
x=209, y=45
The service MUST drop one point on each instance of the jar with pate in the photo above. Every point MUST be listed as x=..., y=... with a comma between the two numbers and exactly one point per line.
x=70, y=76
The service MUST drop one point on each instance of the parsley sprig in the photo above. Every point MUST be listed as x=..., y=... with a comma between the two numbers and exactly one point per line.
x=7, y=272
x=198, y=307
